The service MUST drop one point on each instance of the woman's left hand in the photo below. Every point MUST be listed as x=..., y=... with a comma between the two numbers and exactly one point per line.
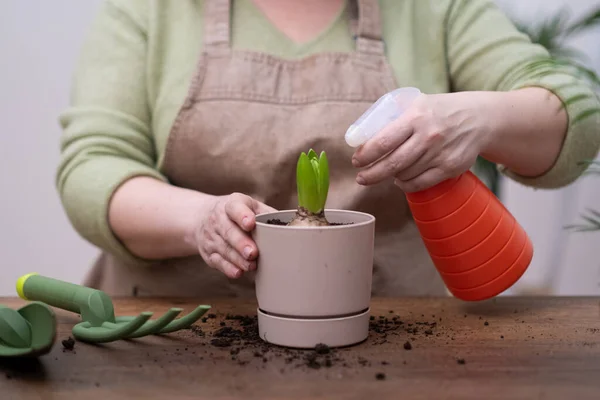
x=437, y=138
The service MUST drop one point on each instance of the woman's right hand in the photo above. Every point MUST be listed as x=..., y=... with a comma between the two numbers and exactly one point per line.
x=222, y=234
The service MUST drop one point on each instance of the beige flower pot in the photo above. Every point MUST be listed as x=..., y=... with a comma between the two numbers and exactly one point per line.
x=313, y=284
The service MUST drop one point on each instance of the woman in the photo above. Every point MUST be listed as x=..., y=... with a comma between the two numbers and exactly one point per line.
x=188, y=118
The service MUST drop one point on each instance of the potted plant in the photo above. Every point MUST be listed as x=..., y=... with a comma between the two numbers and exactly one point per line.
x=314, y=271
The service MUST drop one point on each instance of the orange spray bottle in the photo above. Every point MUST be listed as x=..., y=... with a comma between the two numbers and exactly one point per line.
x=477, y=246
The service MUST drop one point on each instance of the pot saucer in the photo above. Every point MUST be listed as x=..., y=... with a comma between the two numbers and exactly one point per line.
x=305, y=333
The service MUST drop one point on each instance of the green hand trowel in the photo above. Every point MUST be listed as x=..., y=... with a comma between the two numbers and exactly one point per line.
x=100, y=325
x=29, y=331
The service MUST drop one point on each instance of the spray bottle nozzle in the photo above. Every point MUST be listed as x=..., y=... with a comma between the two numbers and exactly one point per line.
x=385, y=110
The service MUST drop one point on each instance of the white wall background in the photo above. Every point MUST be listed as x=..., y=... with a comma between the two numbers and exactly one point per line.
x=39, y=43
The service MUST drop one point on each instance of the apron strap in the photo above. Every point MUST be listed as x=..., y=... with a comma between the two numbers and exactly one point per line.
x=368, y=32
x=216, y=25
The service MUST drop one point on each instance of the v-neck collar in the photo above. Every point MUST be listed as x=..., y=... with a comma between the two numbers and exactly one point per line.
x=299, y=47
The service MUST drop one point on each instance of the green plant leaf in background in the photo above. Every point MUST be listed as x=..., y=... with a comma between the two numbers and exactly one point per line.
x=592, y=222
x=587, y=21
x=592, y=217
x=593, y=168
x=553, y=34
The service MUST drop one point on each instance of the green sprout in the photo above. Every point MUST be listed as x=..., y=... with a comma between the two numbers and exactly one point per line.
x=312, y=178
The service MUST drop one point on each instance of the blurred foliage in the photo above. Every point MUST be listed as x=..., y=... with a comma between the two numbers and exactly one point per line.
x=591, y=218
x=554, y=34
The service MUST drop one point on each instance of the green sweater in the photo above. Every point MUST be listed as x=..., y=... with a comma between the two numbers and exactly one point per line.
x=139, y=57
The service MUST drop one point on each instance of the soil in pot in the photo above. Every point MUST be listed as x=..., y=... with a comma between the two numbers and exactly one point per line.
x=277, y=221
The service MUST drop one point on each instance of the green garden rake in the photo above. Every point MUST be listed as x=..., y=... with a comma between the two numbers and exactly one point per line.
x=99, y=323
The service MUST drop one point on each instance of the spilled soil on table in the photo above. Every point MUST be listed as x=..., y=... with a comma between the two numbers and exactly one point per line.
x=238, y=335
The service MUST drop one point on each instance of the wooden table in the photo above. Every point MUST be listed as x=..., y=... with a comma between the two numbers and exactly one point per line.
x=507, y=348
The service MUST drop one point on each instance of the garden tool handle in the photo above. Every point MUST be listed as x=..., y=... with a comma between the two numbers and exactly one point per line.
x=65, y=295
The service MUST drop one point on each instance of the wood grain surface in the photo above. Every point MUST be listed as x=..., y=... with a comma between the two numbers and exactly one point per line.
x=506, y=348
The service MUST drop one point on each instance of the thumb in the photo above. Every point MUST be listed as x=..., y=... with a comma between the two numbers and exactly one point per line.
x=261, y=208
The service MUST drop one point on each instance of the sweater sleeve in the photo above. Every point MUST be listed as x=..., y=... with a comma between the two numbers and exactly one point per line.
x=106, y=137
x=486, y=52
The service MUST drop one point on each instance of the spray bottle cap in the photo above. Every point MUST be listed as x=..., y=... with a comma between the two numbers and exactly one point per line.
x=385, y=110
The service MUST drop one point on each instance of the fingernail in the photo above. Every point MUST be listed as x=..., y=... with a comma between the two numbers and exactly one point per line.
x=360, y=180
x=246, y=222
x=355, y=162
x=247, y=251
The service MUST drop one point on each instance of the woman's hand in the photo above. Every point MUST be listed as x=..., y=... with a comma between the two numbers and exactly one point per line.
x=437, y=138
x=222, y=235
x=158, y=221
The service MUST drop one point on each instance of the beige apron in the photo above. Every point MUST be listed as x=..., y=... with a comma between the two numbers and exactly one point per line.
x=245, y=120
